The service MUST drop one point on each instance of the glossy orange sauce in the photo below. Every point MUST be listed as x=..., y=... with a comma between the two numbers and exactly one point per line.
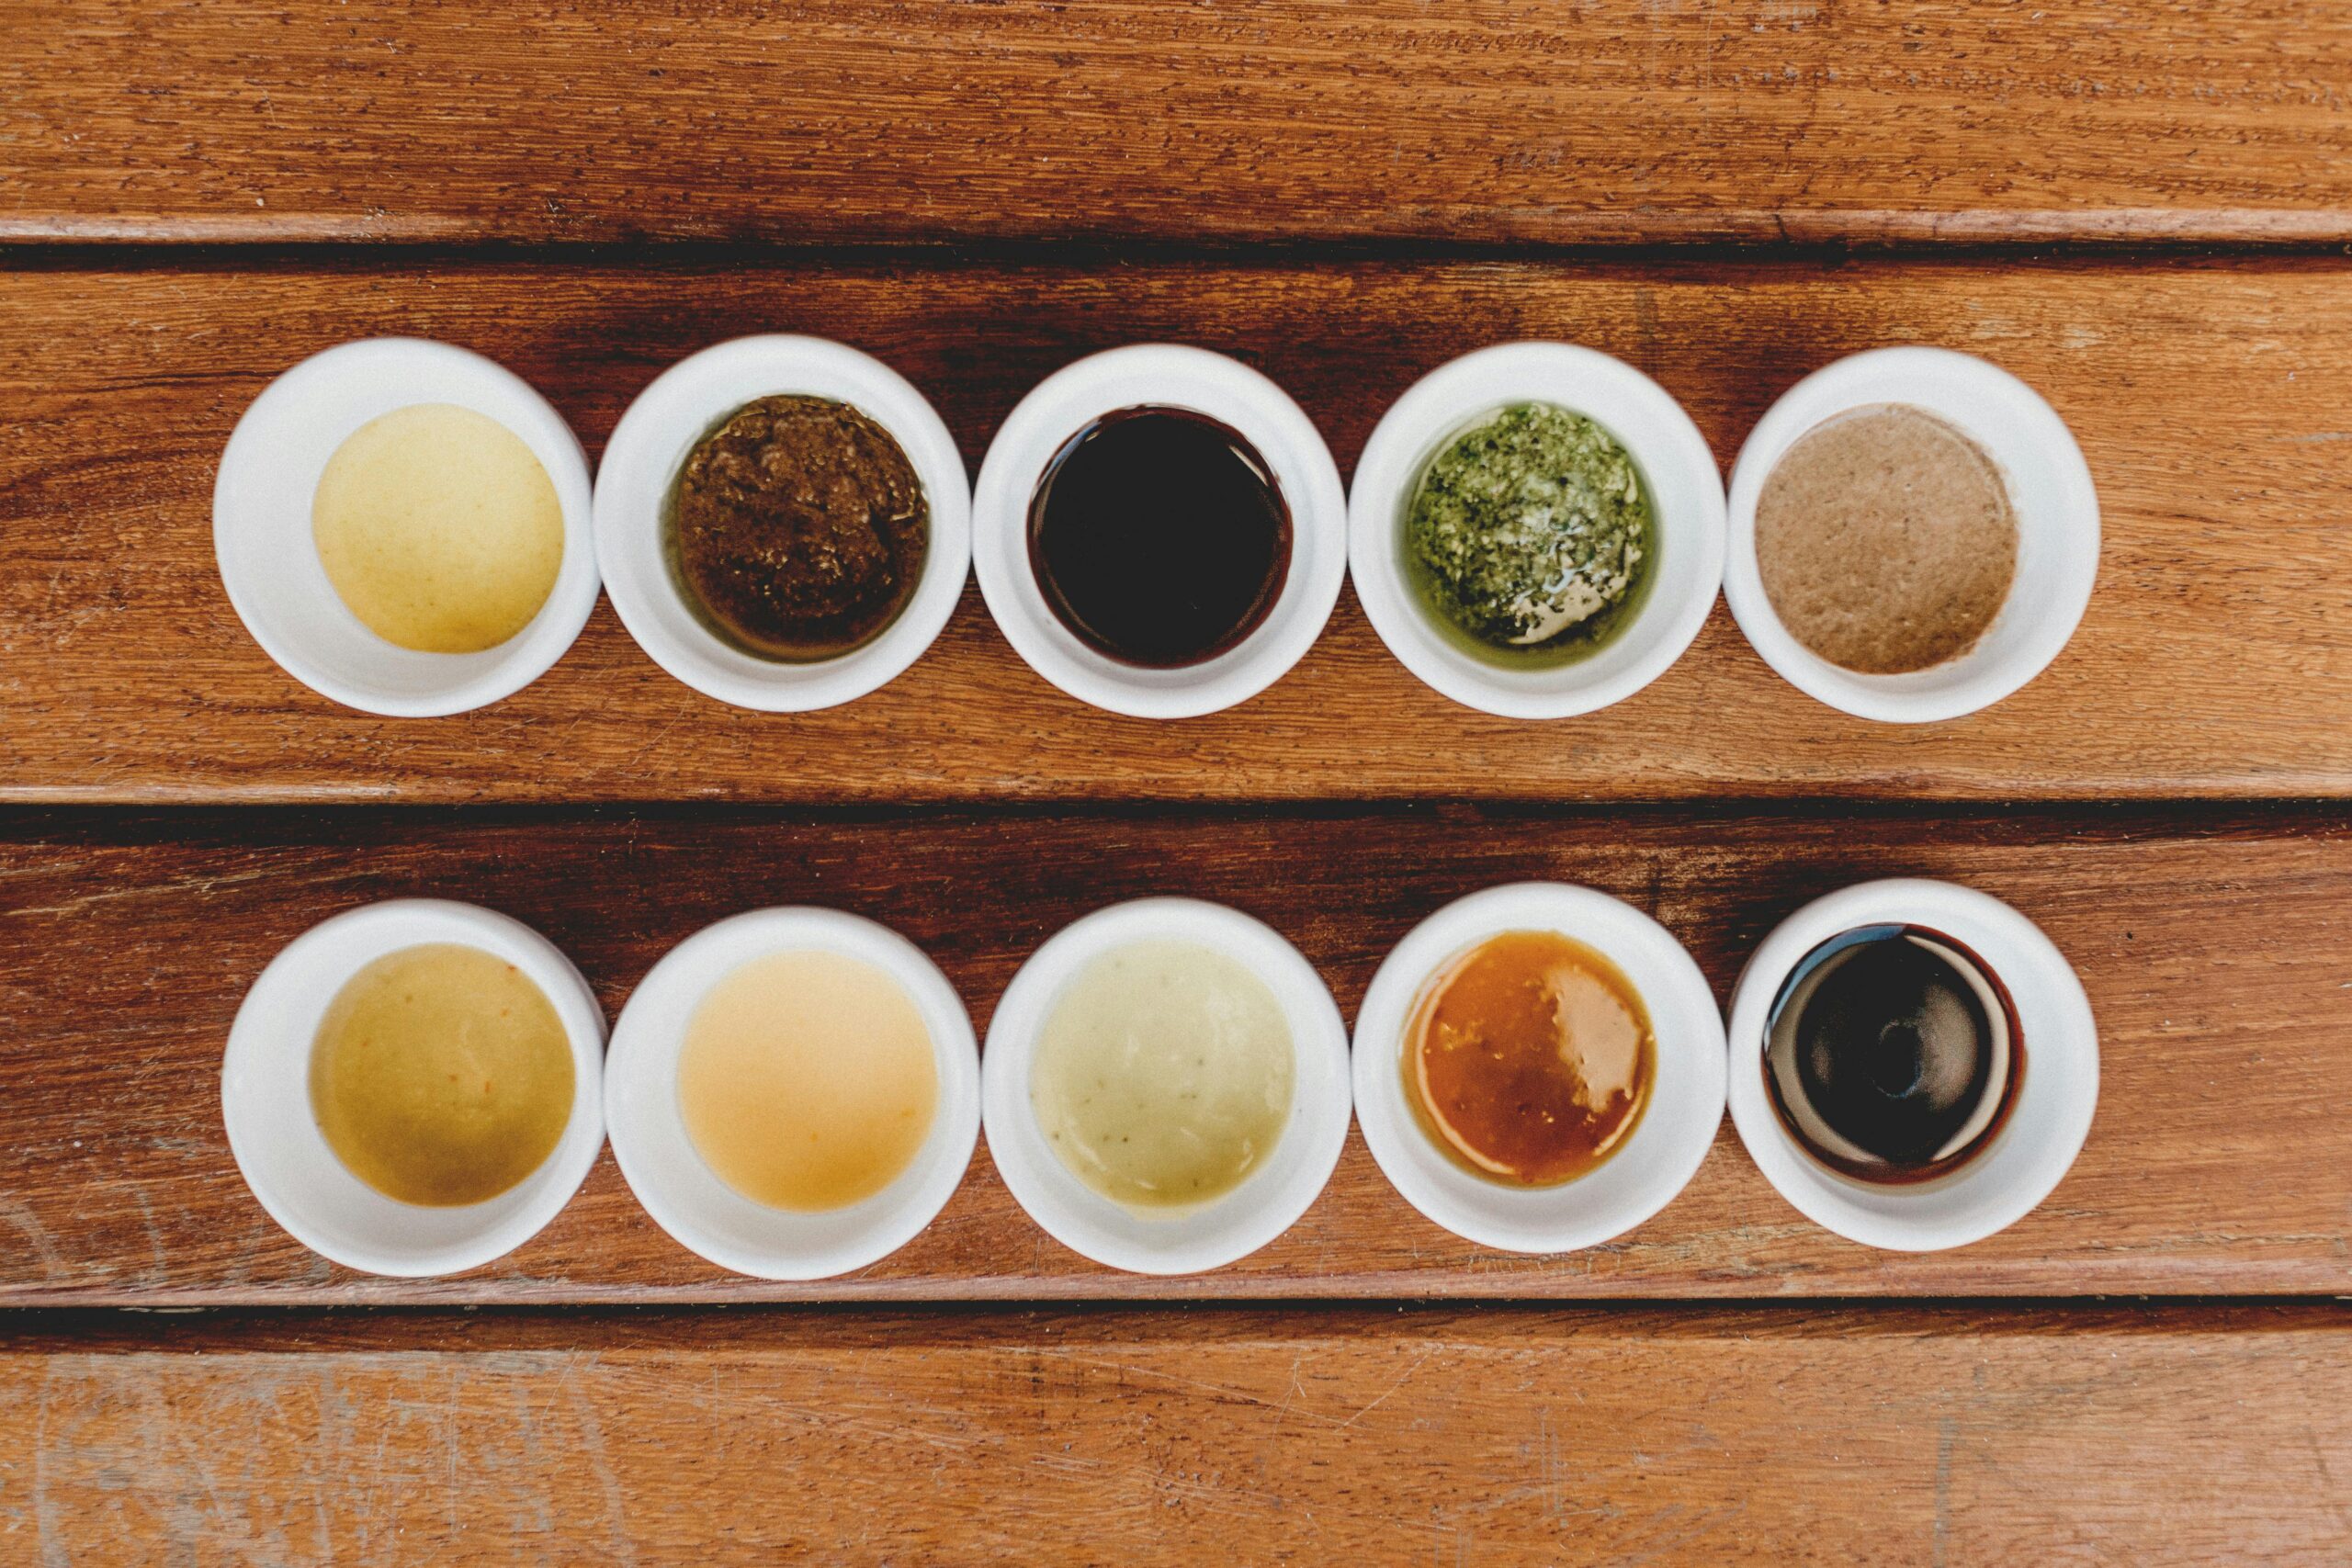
x=1529, y=1058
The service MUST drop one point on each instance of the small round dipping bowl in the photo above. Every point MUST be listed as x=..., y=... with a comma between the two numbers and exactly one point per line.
x=1667, y=1145
x=269, y=563
x=2049, y=484
x=1675, y=466
x=2030, y=1152
x=689, y=1199
x=1270, y=1198
x=1166, y=375
x=640, y=466
x=286, y=1160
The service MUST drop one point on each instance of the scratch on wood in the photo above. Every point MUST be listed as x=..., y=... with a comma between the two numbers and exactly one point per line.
x=1947, y=1435
x=50, y=1539
x=1382, y=1398
x=19, y=1214
x=600, y=1465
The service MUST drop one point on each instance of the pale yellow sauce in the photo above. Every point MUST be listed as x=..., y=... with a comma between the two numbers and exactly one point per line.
x=441, y=1075
x=808, y=1080
x=1163, y=1074
x=438, y=528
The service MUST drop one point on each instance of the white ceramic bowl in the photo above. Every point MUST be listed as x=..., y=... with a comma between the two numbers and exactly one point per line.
x=2046, y=1127
x=640, y=466
x=1642, y=1176
x=1163, y=374
x=1685, y=494
x=2049, y=484
x=269, y=563
x=275, y=1137
x=1271, y=1199
x=688, y=1199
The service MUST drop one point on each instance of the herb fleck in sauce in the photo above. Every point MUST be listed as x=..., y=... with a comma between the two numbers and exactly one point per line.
x=1530, y=537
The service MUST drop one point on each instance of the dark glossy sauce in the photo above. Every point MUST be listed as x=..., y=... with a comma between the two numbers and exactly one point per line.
x=1159, y=536
x=1894, y=1053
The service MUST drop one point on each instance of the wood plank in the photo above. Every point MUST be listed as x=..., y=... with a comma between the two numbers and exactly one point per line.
x=2211, y=400
x=1538, y=121
x=1497, y=1437
x=2213, y=952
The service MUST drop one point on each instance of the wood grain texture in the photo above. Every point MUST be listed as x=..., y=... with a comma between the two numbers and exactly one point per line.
x=1534, y=122
x=2214, y=956
x=2212, y=401
x=1501, y=1436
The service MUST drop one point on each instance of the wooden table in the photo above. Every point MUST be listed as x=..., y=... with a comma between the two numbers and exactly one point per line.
x=2141, y=209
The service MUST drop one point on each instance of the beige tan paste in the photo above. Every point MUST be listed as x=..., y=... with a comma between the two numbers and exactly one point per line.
x=1886, y=540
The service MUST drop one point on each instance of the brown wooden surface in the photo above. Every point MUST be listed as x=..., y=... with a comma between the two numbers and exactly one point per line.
x=2214, y=955
x=2214, y=402
x=1884, y=1436
x=1531, y=120
x=1345, y=195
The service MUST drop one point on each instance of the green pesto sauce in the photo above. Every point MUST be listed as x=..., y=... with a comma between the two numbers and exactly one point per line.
x=1531, y=537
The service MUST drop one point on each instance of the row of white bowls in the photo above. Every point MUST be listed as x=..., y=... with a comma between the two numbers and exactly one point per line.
x=1704, y=541
x=298, y=1178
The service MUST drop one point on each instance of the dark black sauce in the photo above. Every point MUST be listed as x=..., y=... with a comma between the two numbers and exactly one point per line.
x=1894, y=1053
x=1159, y=536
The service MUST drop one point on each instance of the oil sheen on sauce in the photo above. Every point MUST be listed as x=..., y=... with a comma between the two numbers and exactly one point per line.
x=440, y=529
x=441, y=1075
x=1531, y=537
x=808, y=1080
x=1529, y=1058
x=1163, y=1074
x=1159, y=536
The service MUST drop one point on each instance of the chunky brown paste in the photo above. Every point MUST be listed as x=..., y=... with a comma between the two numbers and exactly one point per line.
x=798, y=527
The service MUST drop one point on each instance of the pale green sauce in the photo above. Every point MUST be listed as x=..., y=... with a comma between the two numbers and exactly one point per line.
x=1163, y=1076
x=1531, y=537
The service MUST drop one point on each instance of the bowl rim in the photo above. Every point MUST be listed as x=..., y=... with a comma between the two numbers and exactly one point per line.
x=1270, y=1199
x=640, y=464
x=1883, y=376
x=386, y=927
x=1678, y=1127
x=1174, y=375
x=649, y=1033
x=1668, y=448
x=2009, y=1180
x=252, y=453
